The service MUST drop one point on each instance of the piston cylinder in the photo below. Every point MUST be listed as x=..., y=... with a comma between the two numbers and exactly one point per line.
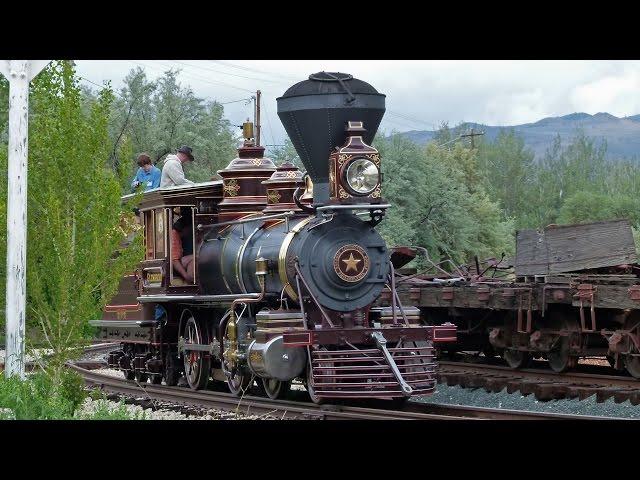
x=272, y=359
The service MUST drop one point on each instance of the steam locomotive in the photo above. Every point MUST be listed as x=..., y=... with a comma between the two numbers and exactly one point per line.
x=286, y=268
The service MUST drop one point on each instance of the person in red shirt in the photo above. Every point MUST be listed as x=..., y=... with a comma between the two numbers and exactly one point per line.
x=182, y=248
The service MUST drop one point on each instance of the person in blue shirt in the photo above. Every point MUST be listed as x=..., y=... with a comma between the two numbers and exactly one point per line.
x=148, y=175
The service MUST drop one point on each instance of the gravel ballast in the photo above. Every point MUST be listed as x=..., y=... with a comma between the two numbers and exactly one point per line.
x=455, y=395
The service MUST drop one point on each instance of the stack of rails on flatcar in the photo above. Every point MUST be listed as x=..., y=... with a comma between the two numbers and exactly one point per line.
x=285, y=277
x=575, y=292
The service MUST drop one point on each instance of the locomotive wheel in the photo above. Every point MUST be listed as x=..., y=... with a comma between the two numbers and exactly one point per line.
x=275, y=388
x=310, y=389
x=632, y=365
x=171, y=372
x=516, y=358
x=141, y=377
x=196, y=364
x=559, y=358
x=239, y=383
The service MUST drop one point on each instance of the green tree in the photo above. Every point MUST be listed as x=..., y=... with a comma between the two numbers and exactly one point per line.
x=286, y=153
x=438, y=202
x=509, y=169
x=158, y=117
x=76, y=221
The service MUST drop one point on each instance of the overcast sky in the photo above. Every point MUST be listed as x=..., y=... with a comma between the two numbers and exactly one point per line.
x=420, y=94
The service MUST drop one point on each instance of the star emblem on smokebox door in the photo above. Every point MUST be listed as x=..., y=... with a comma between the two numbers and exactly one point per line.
x=351, y=262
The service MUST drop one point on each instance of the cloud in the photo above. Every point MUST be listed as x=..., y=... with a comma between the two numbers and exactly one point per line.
x=420, y=94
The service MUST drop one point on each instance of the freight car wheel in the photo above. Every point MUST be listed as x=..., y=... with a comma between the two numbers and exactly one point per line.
x=141, y=377
x=559, y=358
x=633, y=365
x=129, y=374
x=516, y=358
x=275, y=388
x=156, y=379
x=196, y=364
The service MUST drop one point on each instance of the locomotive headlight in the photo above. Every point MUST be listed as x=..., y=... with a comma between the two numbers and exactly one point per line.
x=362, y=176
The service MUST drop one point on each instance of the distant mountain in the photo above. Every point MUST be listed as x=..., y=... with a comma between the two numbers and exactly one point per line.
x=622, y=134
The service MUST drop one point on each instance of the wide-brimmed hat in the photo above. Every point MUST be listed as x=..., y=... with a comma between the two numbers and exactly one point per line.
x=187, y=151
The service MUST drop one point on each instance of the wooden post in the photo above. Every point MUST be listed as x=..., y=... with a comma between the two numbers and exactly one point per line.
x=19, y=73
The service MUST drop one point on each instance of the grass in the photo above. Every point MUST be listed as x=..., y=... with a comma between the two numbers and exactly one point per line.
x=55, y=395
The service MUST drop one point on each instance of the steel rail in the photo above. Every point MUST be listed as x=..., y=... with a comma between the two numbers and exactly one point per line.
x=301, y=410
x=543, y=384
x=577, y=378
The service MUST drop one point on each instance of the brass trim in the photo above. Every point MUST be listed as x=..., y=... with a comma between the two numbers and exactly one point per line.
x=282, y=258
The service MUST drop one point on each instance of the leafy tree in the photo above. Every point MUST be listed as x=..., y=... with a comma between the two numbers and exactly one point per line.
x=509, y=169
x=286, y=153
x=158, y=117
x=439, y=202
x=76, y=220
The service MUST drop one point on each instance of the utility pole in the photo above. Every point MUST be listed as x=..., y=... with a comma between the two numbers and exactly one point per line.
x=257, y=117
x=472, y=135
x=19, y=73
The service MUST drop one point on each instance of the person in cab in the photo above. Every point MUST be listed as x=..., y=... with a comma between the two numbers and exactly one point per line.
x=182, y=256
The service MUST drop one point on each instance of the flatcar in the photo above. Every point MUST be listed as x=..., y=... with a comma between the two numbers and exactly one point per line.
x=573, y=292
x=270, y=275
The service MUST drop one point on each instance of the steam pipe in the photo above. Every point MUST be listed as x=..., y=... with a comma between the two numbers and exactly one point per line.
x=231, y=355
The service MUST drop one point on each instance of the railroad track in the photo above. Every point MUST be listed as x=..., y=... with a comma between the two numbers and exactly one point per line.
x=304, y=410
x=31, y=366
x=543, y=384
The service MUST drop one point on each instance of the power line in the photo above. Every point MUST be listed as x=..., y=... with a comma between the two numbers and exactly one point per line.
x=248, y=69
x=231, y=74
x=273, y=138
x=197, y=77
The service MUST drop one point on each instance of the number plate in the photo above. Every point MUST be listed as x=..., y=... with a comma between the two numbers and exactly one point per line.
x=155, y=277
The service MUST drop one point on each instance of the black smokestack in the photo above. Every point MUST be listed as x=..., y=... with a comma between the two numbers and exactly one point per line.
x=315, y=113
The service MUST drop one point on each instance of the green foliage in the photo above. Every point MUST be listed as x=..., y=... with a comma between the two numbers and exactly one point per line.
x=44, y=395
x=586, y=206
x=76, y=221
x=158, y=117
x=509, y=172
x=439, y=202
x=286, y=153
x=55, y=394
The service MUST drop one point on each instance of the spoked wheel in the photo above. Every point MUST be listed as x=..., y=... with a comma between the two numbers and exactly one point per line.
x=516, y=358
x=171, y=371
x=196, y=364
x=239, y=383
x=141, y=377
x=275, y=388
x=559, y=358
x=632, y=365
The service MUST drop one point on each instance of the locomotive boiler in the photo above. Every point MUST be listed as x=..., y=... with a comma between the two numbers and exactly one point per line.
x=288, y=266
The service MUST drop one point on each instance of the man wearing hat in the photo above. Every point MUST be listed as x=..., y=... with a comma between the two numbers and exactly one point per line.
x=172, y=172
